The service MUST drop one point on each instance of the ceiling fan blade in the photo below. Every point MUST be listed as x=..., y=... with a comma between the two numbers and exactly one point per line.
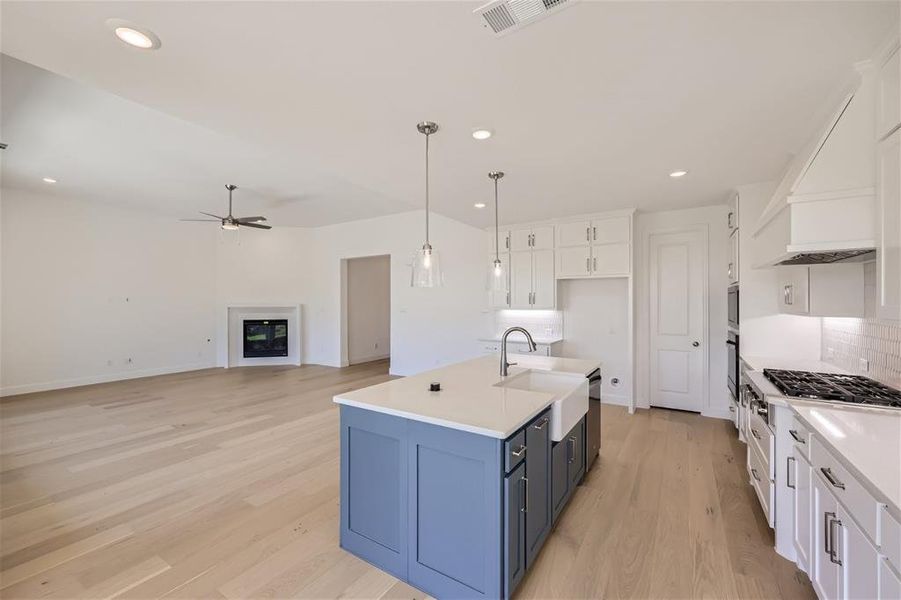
x=211, y=215
x=250, y=219
x=203, y=220
x=254, y=225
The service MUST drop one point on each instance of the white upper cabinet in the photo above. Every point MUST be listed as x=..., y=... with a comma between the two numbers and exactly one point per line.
x=888, y=95
x=520, y=239
x=733, y=257
x=577, y=233
x=521, y=280
x=500, y=299
x=888, y=230
x=600, y=247
x=822, y=290
x=532, y=238
x=532, y=283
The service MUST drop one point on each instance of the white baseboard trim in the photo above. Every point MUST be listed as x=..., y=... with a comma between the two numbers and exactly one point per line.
x=615, y=399
x=366, y=359
x=28, y=388
x=717, y=413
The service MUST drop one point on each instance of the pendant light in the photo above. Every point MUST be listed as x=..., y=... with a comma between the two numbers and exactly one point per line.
x=426, y=263
x=497, y=275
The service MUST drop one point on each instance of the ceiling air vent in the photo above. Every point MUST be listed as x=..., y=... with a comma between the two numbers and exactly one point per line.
x=504, y=16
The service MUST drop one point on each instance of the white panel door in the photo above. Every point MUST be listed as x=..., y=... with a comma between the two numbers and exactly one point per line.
x=520, y=279
x=544, y=284
x=888, y=225
x=543, y=238
x=574, y=262
x=677, y=264
x=499, y=299
x=573, y=234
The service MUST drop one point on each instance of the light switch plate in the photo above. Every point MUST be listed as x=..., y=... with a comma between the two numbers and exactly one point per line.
x=864, y=365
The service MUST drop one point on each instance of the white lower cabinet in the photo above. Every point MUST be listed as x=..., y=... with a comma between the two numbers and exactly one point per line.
x=824, y=570
x=857, y=558
x=802, y=504
x=889, y=581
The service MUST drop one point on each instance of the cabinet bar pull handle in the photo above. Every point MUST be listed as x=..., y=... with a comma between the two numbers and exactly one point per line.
x=754, y=433
x=788, y=461
x=595, y=263
x=827, y=473
x=572, y=452
x=797, y=437
x=587, y=234
x=540, y=424
x=754, y=473
x=595, y=233
x=520, y=452
x=833, y=550
x=827, y=533
x=588, y=264
x=525, y=495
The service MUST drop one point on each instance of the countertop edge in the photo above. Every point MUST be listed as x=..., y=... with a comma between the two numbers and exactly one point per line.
x=872, y=488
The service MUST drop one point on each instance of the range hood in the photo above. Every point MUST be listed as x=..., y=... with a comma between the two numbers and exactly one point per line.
x=824, y=209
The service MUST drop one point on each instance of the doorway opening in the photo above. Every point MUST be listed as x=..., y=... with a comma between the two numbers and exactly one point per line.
x=366, y=310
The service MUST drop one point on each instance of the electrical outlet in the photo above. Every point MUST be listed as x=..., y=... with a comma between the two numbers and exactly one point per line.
x=863, y=364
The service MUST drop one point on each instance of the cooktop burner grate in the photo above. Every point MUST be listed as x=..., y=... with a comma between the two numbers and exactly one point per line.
x=831, y=386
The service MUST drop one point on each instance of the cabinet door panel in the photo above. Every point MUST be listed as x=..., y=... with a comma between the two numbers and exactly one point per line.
x=520, y=279
x=860, y=561
x=543, y=238
x=824, y=572
x=802, y=506
x=514, y=519
x=610, y=259
x=520, y=239
x=576, y=438
x=733, y=258
x=888, y=244
x=544, y=284
x=889, y=581
x=538, y=489
x=611, y=231
x=559, y=476
x=574, y=262
x=574, y=234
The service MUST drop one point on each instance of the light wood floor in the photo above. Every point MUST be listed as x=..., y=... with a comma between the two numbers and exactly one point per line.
x=224, y=484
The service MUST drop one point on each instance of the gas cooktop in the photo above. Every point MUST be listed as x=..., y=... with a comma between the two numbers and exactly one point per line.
x=835, y=387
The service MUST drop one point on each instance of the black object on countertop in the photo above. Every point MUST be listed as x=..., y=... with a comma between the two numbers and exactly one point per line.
x=435, y=386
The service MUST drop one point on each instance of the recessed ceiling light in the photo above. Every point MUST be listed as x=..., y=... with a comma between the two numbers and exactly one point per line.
x=482, y=134
x=479, y=205
x=49, y=180
x=678, y=174
x=133, y=35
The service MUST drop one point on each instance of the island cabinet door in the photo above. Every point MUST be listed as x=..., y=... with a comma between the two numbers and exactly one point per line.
x=538, y=485
x=455, y=529
x=374, y=488
x=515, y=507
x=559, y=476
x=576, y=440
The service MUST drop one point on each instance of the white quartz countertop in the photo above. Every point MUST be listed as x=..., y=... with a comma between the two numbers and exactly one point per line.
x=759, y=363
x=866, y=440
x=469, y=399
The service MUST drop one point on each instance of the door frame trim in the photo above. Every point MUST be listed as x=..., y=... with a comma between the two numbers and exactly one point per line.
x=704, y=230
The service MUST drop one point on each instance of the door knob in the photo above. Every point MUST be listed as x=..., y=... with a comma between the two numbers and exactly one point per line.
x=696, y=344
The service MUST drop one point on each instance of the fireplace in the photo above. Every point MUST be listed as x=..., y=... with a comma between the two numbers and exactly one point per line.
x=265, y=337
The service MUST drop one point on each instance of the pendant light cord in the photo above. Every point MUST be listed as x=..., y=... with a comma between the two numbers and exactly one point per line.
x=497, y=235
x=427, y=190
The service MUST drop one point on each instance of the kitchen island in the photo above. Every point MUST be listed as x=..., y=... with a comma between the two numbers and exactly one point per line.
x=455, y=491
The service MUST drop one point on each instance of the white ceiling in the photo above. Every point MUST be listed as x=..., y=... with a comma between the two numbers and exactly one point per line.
x=311, y=107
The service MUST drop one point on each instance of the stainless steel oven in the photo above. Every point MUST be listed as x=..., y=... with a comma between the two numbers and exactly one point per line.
x=733, y=307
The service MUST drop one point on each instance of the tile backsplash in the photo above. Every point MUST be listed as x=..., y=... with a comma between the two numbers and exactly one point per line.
x=846, y=341
x=542, y=324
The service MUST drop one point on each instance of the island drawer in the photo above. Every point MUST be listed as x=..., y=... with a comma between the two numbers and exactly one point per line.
x=800, y=436
x=514, y=450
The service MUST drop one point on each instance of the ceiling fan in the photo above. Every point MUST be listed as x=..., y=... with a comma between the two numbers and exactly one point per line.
x=230, y=222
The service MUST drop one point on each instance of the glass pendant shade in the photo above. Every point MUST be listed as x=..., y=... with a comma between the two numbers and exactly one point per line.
x=497, y=277
x=426, y=268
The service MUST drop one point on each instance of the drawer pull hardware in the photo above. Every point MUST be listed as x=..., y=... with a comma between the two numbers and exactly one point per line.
x=594, y=230
x=540, y=424
x=827, y=473
x=754, y=473
x=520, y=452
x=797, y=437
x=525, y=495
x=754, y=433
x=587, y=234
x=833, y=547
x=588, y=265
x=572, y=451
x=827, y=532
x=788, y=470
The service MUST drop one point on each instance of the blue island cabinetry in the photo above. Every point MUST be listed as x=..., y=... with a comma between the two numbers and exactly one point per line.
x=453, y=513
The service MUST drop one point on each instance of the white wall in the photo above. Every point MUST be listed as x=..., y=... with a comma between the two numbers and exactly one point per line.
x=368, y=296
x=763, y=331
x=596, y=325
x=713, y=218
x=94, y=293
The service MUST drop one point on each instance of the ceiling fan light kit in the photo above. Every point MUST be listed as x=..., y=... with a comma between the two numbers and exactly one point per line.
x=230, y=222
